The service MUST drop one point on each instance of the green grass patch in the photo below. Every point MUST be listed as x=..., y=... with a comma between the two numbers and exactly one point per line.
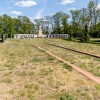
x=69, y=68
x=11, y=91
x=36, y=59
x=21, y=93
x=31, y=97
x=67, y=96
x=7, y=80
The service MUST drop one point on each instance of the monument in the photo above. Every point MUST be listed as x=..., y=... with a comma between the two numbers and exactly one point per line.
x=40, y=32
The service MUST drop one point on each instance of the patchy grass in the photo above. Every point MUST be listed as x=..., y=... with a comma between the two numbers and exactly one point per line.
x=27, y=73
x=68, y=67
x=67, y=96
x=85, y=47
x=21, y=93
x=85, y=62
x=7, y=80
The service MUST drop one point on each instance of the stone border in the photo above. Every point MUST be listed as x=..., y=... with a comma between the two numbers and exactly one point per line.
x=74, y=50
x=85, y=73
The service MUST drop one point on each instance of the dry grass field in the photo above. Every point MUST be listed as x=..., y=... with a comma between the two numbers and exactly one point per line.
x=27, y=73
x=85, y=62
x=85, y=47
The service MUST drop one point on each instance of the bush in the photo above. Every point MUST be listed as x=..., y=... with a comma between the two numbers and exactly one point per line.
x=67, y=96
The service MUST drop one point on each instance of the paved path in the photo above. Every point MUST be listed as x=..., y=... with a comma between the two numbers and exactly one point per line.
x=85, y=73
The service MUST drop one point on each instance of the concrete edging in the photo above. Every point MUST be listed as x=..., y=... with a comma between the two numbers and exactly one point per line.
x=85, y=73
x=74, y=50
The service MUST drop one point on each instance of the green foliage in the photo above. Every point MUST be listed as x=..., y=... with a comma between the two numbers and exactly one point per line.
x=56, y=24
x=11, y=26
x=86, y=36
x=67, y=96
x=70, y=33
x=60, y=18
x=67, y=67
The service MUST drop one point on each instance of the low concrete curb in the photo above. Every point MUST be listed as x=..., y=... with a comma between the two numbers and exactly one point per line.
x=85, y=73
x=74, y=50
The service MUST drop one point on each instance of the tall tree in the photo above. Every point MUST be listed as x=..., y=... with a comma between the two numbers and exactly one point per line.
x=65, y=23
x=70, y=33
x=26, y=27
x=58, y=21
x=86, y=36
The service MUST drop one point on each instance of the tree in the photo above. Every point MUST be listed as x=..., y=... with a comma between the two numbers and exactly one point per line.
x=60, y=21
x=65, y=23
x=76, y=21
x=70, y=33
x=7, y=25
x=86, y=36
x=26, y=26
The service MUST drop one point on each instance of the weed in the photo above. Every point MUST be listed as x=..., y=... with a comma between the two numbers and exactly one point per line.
x=7, y=80
x=51, y=58
x=68, y=67
x=41, y=50
x=31, y=73
x=43, y=72
x=21, y=93
x=11, y=91
x=19, y=73
x=97, y=87
x=29, y=86
x=31, y=97
x=67, y=96
x=36, y=59
x=36, y=87
x=41, y=82
x=8, y=73
x=50, y=79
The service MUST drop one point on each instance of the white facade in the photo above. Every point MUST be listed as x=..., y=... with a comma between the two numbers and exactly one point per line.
x=22, y=36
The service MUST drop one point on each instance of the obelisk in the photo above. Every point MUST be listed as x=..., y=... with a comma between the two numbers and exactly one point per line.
x=40, y=32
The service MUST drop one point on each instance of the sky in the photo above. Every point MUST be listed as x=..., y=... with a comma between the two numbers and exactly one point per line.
x=40, y=8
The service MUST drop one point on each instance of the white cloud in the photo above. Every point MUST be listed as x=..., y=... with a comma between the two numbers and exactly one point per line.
x=25, y=3
x=98, y=6
x=64, y=2
x=16, y=12
x=39, y=13
x=73, y=8
x=9, y=7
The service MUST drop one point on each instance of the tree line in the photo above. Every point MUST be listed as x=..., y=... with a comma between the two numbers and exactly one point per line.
x=84, y=23
x=19, y=25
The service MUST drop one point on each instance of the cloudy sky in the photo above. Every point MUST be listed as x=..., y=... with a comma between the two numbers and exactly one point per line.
x=39, y=8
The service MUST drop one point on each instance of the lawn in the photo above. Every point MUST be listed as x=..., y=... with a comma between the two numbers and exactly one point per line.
x=85, y=62
x=28, y=73
x=85, y=47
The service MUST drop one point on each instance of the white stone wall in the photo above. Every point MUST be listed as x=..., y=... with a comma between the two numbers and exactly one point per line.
x=57, y=36
x=22, y=36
